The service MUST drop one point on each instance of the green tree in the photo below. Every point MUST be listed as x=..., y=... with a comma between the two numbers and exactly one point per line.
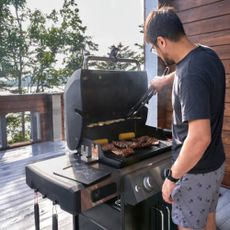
x=57, y=36
x=77, y=44
x=13, y=47
x=43, y=48
x=15, y=132
x=123, y=52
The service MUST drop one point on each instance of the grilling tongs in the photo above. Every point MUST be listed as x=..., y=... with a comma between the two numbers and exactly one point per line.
x=144, y=99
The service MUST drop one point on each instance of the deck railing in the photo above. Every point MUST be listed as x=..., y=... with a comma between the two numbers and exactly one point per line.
x=47, y=117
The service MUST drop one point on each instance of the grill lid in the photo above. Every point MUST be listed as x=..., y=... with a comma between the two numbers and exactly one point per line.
x=109, y=95
x=95, y=96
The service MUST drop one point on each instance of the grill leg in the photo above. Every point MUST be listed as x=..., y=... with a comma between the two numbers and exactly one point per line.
x=76, y=222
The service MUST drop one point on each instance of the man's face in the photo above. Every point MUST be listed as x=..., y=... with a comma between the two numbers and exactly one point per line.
x=162, y=54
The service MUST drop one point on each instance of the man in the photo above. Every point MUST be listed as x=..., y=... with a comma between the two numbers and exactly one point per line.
x=193, y=182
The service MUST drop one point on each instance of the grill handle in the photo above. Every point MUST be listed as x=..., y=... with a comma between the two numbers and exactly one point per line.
x=108, y=59
x=162, y=217
x=168, y=216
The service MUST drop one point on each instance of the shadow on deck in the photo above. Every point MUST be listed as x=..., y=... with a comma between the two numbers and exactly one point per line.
x=16, y=198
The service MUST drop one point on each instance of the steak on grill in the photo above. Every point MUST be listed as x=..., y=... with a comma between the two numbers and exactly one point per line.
x=123, y=144
x=146, y=141
x=126, y=148
x=108, y=147
x=123, y=152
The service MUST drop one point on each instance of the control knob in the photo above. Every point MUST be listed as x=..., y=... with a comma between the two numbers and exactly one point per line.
x=148, y=184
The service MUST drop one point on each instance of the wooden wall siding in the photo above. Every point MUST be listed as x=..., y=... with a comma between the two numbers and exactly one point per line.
x=164, y=101
x=227, y=110
x=181, y=5
x=227, y=68
x=205, y=12
x=216, y=38
x=165, y=108
x=206, y=22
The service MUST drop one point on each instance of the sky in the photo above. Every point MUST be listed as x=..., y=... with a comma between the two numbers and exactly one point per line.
x=108, y=21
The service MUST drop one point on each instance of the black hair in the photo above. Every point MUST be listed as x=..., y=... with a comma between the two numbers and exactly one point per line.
x=163, y=22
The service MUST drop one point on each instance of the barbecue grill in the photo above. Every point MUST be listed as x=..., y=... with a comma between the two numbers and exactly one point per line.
x=105, y=189
x=97, y=105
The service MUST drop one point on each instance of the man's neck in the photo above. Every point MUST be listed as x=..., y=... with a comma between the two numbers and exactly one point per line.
x=182, y=49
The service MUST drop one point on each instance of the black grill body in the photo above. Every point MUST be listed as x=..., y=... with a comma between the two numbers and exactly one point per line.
x=110, y=192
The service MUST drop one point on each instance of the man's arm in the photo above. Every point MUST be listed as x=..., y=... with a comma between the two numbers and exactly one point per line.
x=158, y=83
x=194, y=146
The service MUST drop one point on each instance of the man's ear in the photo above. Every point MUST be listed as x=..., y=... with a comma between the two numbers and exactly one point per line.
x=161, y=42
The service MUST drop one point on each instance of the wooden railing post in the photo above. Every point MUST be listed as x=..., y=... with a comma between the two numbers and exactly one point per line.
x=35, y=126
x=57, y=116
x=3, y=133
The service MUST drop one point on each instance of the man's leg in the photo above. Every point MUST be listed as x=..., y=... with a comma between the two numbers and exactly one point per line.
x=195, y=200
x=211, y=223
x=182, y=228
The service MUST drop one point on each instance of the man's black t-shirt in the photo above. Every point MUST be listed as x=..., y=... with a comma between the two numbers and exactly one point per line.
x=199, y=93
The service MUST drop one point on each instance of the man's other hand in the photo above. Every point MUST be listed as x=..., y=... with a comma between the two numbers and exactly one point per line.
x=167, y=189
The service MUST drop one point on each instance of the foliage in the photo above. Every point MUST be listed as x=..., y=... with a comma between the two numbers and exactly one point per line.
x=42, y=50
x=59, y=34
x=15, y=132
x=32, y=44
x=123, y=52
x=13, y=47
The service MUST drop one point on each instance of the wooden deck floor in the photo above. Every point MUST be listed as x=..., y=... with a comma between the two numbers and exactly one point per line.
x=16, y=198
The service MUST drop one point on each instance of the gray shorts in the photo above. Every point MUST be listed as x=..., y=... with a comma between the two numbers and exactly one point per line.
x=195, y=196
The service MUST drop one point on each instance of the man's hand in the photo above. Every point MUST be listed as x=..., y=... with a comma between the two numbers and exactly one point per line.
x=167, y=188
x=157, y=83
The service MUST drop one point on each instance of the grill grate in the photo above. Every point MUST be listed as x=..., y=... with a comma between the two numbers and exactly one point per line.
x=119, y=161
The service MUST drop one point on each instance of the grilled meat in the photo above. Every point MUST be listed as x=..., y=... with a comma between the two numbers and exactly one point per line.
x=153, y=141
x=126, y=148
x=145, y=141
x=141, y=139
x=122, y=144
x=108, y=147
x=123, y=152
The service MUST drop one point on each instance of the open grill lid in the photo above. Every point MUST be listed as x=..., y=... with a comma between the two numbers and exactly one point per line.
x=93, y=96
x=109, y=95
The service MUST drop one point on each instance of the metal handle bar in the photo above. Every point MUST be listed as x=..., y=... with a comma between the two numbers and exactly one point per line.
x=108, y=59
